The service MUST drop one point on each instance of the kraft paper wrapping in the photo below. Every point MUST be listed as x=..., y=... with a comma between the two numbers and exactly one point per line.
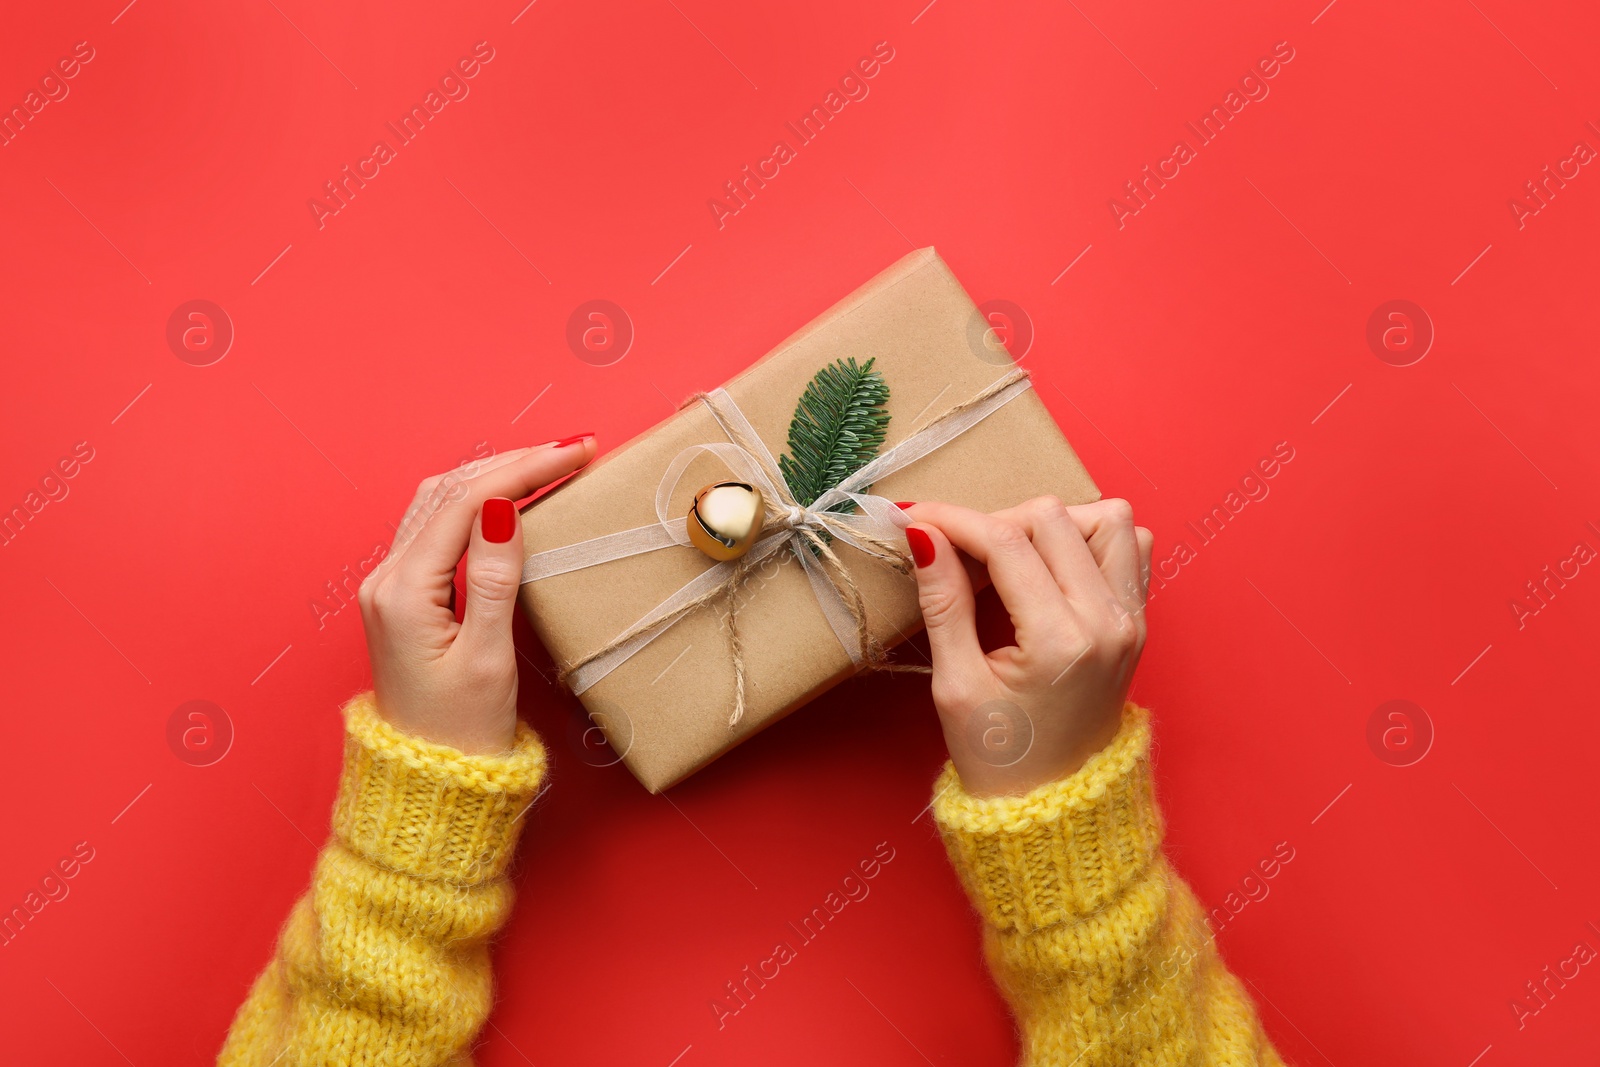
x=665, y=710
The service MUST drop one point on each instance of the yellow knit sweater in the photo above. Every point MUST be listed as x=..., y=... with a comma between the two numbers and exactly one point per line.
x=1101, y=950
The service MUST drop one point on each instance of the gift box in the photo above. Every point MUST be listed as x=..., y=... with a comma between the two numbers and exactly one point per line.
x=664, y=703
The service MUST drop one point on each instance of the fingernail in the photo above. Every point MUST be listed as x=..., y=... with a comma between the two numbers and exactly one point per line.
x=921, y=546
x=903, y=504
x=499, y=520
x=574, y=439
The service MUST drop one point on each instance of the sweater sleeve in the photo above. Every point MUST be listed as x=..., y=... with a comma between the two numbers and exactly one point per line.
x=385, y=959
x=1102, y=951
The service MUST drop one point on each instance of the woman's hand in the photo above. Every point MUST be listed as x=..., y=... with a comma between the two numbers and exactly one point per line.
x=449, y=682
x=1073, y=580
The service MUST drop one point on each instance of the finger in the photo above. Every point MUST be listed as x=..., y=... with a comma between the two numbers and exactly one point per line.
x=435, y=491
x=1107, y=529
x=1025, y=584
x=1147, y=544
x=493, y=576
x=977, y=573
x=1059, y=543
x=437, y=548
x=944, y=593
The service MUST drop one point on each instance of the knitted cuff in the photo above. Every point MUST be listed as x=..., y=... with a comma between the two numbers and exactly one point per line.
x=429, y=810
x=1064, y=850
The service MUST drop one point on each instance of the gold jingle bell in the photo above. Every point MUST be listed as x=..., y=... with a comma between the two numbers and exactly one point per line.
x=725, y=519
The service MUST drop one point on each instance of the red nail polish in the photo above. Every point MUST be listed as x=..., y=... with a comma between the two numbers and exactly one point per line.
x=921, y=546
x=574, y=439
x=904, y=504
x=499, y=520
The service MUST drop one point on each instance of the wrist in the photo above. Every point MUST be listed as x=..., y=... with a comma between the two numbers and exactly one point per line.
x=485, y=741
x=441, y=723
x=994, y=761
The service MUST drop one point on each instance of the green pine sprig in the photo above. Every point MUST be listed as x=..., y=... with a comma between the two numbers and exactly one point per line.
x=838, y=427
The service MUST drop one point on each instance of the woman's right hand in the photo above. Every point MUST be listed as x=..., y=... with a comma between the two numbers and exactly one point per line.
x=1073, y=580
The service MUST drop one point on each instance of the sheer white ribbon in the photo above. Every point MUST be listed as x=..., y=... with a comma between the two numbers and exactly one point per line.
x=877, y=519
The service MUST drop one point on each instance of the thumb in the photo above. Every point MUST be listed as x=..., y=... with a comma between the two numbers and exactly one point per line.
x=944, y=593
x=494, y=574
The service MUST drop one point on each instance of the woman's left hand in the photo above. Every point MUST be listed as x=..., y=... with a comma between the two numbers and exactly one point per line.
x=446, y=681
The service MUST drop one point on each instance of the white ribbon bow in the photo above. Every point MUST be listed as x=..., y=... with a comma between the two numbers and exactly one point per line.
x=876, y=519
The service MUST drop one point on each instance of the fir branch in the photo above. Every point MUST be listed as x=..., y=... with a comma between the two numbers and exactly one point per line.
x=838, y=427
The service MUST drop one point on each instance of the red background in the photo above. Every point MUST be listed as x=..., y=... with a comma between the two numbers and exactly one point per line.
x=1224, y=317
